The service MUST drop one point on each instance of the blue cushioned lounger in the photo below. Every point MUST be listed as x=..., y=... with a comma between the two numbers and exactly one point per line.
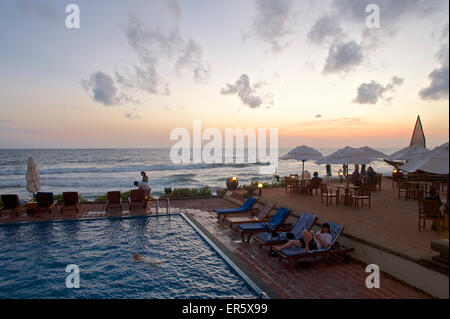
x=275, y=223
x=305, y=222
x=293, y=254
x=223, y=213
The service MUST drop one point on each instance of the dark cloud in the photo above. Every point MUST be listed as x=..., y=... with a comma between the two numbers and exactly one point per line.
x=318, y=116
x=273, y=22
x=343, y=56
x=174, y=8
x=102, y=88
x=326, y=27
x=151, y=46
x=439, y=83
x=372, y=92
x=247, y=93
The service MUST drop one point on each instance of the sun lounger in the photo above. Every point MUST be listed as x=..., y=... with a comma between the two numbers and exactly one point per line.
x=294, y=254
x=244, y=209
x=114, y=201
x=45, y=202
x=305, y=222
x=260, y=217
x=11, y=204
x=137, y=199
x=274, y=224
x=71, y=202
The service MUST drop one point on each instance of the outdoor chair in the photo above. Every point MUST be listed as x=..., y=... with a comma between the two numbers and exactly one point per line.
x=11, y=204
x=275, y=224
x=244, y=209
x=314, y=185
x=405, y=189
x=328, y=194
x=294, y=254
x=362, y=194
x=71, y=202
x=45, y=202
x=430, y=210
x=137, y=199
x=253, y=217
x=114, y=201
x=305, y=222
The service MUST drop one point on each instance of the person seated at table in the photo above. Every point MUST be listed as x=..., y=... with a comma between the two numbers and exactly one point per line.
x=433, y=195
x=314, y=183
x=311, y=240
x=371, y=176
x=355, y=176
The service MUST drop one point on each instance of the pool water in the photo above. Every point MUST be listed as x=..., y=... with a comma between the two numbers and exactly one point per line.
x=34, y=257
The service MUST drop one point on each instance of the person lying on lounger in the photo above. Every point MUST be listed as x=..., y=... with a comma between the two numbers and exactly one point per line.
x=311, y=240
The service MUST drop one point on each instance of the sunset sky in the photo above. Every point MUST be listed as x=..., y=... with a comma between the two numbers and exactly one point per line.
x=135, y=70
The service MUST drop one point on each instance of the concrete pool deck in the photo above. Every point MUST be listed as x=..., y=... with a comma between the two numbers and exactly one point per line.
x=328, y=277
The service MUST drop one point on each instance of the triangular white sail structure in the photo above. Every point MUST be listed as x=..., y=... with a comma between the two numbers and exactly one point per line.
x=418, y=137
x=303, y=153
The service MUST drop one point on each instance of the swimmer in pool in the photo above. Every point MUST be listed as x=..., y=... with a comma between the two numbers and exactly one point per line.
x=139, y=258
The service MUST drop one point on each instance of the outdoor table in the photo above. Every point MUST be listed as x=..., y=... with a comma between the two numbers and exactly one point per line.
x=419, y=186
x=347, y=196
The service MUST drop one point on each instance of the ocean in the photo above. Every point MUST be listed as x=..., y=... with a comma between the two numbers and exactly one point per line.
x=93, y=172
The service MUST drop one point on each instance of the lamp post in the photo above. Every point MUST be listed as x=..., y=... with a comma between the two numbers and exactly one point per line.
x=341, y=175
x=260, y=187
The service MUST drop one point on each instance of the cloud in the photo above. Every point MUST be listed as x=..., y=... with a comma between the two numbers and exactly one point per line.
x=439, y=77
x=40, y=8
x=343, y=57
x=326, y=27
x=247, y=93
x=152, y=45
x=318, y=116
x=391, y=11
x=101, y=87
x=273, y=23
x=5, y=121
x=190, y=58
x=174, y=8
x=372, y=92
x=132, y=115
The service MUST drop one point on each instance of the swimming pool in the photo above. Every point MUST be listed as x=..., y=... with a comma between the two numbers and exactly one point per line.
x=34, y=257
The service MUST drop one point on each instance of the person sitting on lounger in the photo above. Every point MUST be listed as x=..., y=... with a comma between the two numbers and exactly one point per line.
x=311, y=240
x=144, y=177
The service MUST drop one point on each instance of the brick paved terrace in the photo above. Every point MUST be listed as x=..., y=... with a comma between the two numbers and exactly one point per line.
x=322, y=277
x=390, y=222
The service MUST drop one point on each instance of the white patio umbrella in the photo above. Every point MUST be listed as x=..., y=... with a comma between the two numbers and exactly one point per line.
x=435, y=161
x=373, y=152
x=348, y=155
x=408, y=153
x=303, y=153
x=33, y=178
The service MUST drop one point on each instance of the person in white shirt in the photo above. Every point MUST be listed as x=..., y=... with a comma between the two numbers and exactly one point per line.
x=144, y=187
x=311, y=240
